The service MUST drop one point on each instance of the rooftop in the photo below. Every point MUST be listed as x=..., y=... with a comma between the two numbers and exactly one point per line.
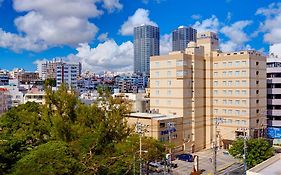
x=153, y=116
x=271, y=166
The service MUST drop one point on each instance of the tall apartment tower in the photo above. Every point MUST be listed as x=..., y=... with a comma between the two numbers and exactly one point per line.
x=68, y=73
x=274, y=98
x=218, y=94
x=146, y=44
x=182, y=36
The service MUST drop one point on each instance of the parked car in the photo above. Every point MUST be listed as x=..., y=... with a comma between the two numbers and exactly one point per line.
x=155, y=167
x=185, y=157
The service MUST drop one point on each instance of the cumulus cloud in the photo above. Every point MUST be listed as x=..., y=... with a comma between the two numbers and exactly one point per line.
x=165, y=44
x=103, y=37
x=196, y=16
x=210, y=24
x=272, y=23
x=237, y=36
x=141, y=16
x=275, y=49
x=107, y=56
x=51, y=23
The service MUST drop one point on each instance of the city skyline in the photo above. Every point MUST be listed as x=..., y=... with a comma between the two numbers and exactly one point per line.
x=34, y=31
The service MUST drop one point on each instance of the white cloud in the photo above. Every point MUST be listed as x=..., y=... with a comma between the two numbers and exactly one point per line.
x=141, y=16
x=196, y=16
x=103, y=37
x=50, y=23
x=237, y=36
x=275, y=49
x=112, y=5
x=107, y=56
x=272, y=24
x=210, y=24
x=165, y=44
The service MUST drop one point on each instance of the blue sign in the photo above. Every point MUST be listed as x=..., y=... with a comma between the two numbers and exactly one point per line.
x=274, y=133
x=167, y=131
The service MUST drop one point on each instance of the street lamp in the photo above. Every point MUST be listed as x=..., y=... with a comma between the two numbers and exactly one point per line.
x=144, y=151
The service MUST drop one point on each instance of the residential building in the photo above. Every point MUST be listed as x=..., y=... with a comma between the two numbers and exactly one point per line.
x=28, y=77
x=140, y=103
x=146, y=44
x=182, y=36
x=48, y=69
x=4, y=79
x=274, y=98
x=68, y=73
x=15, y=92
x=35, y=95
x=159, y=127
x=5, y=100
x=218, y=94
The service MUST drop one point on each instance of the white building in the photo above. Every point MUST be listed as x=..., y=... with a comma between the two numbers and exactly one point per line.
x=68, y=73
x=15, y=93
x=35, y=95
x=5, y=100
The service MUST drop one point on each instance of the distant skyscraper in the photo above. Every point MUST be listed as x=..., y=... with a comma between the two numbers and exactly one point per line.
x=146, y=44
x=182, y=36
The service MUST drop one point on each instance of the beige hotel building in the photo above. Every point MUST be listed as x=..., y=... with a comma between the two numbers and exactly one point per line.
x=214, y=92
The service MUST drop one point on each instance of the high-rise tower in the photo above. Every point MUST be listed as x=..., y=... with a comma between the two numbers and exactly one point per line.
x=182, y=36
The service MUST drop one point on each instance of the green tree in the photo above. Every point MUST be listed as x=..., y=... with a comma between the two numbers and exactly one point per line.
x=52, y=158
x=258, y=150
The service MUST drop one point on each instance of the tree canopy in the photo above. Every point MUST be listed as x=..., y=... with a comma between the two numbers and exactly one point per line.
x=258, y=150
x=64, y=136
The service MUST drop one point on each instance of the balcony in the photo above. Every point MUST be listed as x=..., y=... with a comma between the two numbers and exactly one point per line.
x=274, y=123
x=274, y=101
x=274, y=112
x=273, y=80
x=274, y=91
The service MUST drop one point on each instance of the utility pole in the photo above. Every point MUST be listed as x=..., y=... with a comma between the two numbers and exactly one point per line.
x=215, y=147
x=140, y=130
x=245, y=151
x=170, y=126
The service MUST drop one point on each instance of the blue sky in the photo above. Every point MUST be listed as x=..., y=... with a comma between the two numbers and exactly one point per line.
x=32, y=30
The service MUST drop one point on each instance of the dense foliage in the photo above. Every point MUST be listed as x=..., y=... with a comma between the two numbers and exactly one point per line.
x=64, y=136
x=258, y=150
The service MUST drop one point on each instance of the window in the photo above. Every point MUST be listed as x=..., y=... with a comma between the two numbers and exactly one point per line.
x=162, y=125
x=257, y=72
x=244, y=102
x=257, y=101
x=157, y=92
x=215, y=74
x=224, y=111
x=216, y=83
x=237, y=73
x=237, y=92
x=215, y=64
x=215, y=101
x=169, y=63
x=237, y=102
x=181, y=73
x=237, y=112
x=237, y=122
x=181, y=63
x=229, y=83
x=229, y=102
x=244, y=112
x=224, y=92
x=244, y=92
x=257, y=91
x=257, y=63
x=157, y=64
x=216, y=92
x=224, y=83
x=244, y=83
x=257, y=82
x=229, y=121
x=244, y=63
x=224, y=64
x=237, y=83
x=237, y=63
x=230, y=73
x=244, y=73
x=168, y=102
x=216, y=111
x=229, y=92
x=243, y=122
x=169, y=73
x=157, y=83
x=224, y=74
x=156, y=74
x=229, y=64
x=169, y=92
x=169, y=82
x=257, y=111
x=224, y=102
x=229, y=112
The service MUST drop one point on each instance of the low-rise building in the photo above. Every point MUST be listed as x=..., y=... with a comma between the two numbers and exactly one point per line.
x=35, y=95
x=160, y=126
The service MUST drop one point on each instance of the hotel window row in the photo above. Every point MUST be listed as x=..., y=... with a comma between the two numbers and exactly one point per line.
x=230, y=112
x=237, y=73
x=231, y=64
x=230, y=121
x=230, y=92
x=231, y=83
x=231, y=102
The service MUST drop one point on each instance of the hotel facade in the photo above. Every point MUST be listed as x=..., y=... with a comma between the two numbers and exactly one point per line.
x=219, y=95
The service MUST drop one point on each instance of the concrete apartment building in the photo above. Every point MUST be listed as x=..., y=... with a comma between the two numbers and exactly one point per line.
x=182, y=36
x=274, y=98
x=5, y=100
x=209, y=88
x=156, y=126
